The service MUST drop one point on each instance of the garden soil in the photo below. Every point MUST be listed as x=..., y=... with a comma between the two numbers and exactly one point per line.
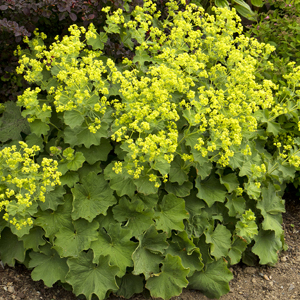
x=255, y=283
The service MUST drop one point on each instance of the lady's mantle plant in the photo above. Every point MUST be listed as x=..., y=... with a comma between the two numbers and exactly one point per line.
x=169, y=172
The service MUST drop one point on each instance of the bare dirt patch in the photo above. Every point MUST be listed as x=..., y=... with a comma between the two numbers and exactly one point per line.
x=255, y=283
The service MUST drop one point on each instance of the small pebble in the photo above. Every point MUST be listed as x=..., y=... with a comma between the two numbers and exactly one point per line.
x=266, y=277
x=291, y=287
x=283, y=259
x=271, y=283
x=11, y=289
x=253, y=280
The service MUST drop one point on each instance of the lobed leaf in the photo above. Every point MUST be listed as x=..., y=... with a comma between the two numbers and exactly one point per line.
x=115, y=242
x=149, y=253
x=11, y=249
x=92, y=197
x=209, y=280
x=48, y=266
x=210, y=190
x=171, y=214
x=138, y=217
x=88, y=278
x=219, y=240
x=170, y=281
x=71, y=242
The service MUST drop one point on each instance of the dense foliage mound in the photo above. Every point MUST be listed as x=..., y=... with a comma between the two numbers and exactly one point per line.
x=155, y=173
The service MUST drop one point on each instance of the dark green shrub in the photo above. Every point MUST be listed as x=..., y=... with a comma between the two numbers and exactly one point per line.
x=280, y=27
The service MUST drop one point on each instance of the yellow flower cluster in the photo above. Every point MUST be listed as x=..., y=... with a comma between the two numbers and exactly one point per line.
x=23, y=181
x=197, y=69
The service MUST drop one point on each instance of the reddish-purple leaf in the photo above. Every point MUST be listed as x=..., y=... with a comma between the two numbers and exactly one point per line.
x=73, y=17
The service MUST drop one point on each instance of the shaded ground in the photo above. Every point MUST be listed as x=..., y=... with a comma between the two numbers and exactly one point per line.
x=280, y=282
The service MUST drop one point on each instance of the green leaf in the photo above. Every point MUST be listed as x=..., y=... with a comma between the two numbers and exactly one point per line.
x=96, y=153
x=52, y=221
x=243, y=4
x=71, y=242
x=92, y=197
x=145, y=186
x=139, y=35
x=219, y=240
x=179, y=190
x=190, y=255
x=237, y=249
x=53, y=199
x=76, y=162
x=130, y=285
x=150, y=201
x=39, y=128
x=203, y=169
x=10, y=248
x=98, y=42
x=197, y=225
x=210, y=190
x=141, y=57
x=123, y=186
x=271, y=206
x=221, y=3
x=73, y=118
x=213, y=281
x=34, y=239
x=148, y=255
x=117, y=245
x=171, y=214
x=86, y=169
x=288, y=172
x=162, y=166
x=236, y=205
x=69, y=178
x=248, y=231
x=33, y=139
x=46, y=85
x=244, y=9
x=88, y=138
x=204, y=249
x=237, y=160
x=88, y=278
x=112, y=27
x=121, y=182
x=257, y=3
x=12, y=123
x=3, y=223
x=137, y=216
x=48, y=266
x=245, y=170
x=178, y=173
x=170, y=281
x=20, y=232
x=273, y=222
x=126, y=39
x=193, y=204
x=252, y=190
x=105, y=221
x=266, y=247
x=230, y=181
x=192, y=138
x=82, y=135
x=70, y=136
